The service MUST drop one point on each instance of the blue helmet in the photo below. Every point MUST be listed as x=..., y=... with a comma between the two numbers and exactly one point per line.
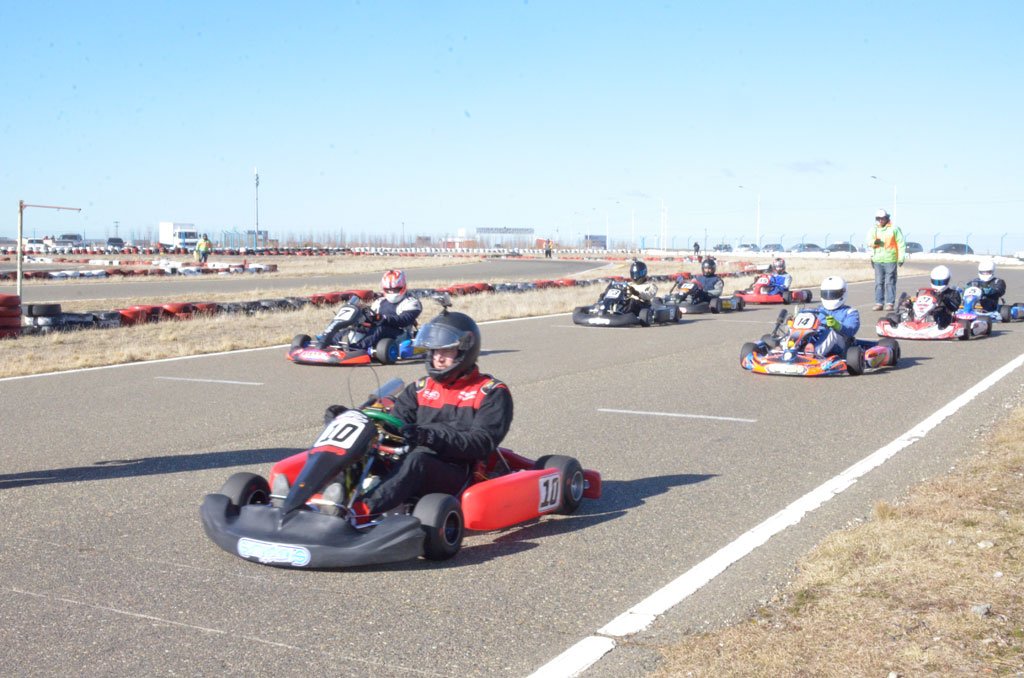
x=638, y=271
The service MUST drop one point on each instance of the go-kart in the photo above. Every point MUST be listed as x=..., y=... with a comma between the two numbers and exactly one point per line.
x=1003, y=312
x=788, y=350
x=689, y=300
x=288, y=520
x=760, y=292
x=619, y=307
x=916, y=320
x=355, y=321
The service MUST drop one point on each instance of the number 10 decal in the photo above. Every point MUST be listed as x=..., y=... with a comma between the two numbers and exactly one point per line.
x=550, y=492
x=344, y=430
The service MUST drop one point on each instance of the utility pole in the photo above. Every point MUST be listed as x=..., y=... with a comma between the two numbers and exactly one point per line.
x=256, y=233
x=21, y=230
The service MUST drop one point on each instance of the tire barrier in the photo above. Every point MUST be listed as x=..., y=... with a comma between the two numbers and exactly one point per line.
x=49, y=317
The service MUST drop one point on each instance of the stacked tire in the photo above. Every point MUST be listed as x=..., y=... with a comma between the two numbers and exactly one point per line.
x=43, y=317
x=10, y=316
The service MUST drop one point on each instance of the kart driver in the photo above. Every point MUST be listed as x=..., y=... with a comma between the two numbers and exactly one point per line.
x=948, y=297
x=641, y=290
x=780, y=281
x=710, y=283
x=393, y=313
x=455, y=417
x=839, y=321
x=993, y=289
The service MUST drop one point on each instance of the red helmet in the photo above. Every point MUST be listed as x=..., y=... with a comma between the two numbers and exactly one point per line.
x=779, y=265
x=392, y=284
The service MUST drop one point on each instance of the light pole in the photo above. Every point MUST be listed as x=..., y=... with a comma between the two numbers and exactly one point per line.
x=893, y=184
x=21, y=230
x=1001, y=238
x=256, y=233
x=934, y=237
x=967, y=241
x=826, y=239
x=403, y=234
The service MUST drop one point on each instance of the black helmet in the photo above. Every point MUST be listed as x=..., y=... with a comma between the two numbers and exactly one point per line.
x=708, y=266
x=451, y=330
x=638, y=271
x=779, y=265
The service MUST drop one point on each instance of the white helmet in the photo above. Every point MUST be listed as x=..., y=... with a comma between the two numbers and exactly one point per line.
x=881, y=214
x=833, y=292
x=986, y=270
x=940, y=278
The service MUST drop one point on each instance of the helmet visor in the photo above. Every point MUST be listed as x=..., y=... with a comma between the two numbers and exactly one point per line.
x=937, y=282
x=832, y=295
x=433, y=335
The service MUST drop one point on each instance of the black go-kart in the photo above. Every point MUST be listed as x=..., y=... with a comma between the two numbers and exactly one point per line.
x=619, y=306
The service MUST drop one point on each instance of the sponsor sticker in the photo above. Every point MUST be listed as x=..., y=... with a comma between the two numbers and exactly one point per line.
x=600, y=321
x=315, y=356
x=785, y=368
x=269, y=552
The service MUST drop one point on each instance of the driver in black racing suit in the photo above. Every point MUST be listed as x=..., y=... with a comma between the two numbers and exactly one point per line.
x=455, y=417
x=710, y=284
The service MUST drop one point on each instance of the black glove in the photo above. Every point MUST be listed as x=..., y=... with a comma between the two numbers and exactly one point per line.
x=333, y=411
x=418, y=435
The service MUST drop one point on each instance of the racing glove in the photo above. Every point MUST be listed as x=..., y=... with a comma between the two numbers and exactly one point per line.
x=832, y=323
x=333, y=411
x=418, y=435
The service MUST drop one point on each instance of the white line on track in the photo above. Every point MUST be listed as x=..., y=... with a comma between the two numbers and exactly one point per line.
x=677, y=414
x=588, y=651
x=213, y=381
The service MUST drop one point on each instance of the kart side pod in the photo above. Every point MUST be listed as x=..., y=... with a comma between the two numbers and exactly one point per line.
x=515, y=498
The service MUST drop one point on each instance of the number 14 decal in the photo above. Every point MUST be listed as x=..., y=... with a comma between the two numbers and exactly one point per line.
x=550, y=492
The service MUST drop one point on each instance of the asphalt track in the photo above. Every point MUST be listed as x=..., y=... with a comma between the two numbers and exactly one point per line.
x=105, y=566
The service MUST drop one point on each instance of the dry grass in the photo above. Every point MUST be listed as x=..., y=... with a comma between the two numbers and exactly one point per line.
x=933, y=586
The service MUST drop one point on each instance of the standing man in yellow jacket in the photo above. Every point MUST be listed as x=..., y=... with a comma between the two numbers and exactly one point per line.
x=888, y=250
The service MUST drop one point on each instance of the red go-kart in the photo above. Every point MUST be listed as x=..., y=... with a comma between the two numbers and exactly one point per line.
x=915, y=320
x=310, y=518
x=761, y=292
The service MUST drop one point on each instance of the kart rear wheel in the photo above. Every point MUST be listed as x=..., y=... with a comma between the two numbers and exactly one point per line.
x=787, y=297
x=644, y=316
x=1004, y=313
x=855, y=360
x=894, y=346
x=716, y=305
x=440, y=517
x=573, y=482
x=300, y=341
x=243, y=489
x=386, y=351
x=739, y=304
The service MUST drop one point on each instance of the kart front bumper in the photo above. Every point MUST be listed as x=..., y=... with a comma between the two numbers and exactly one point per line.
x=307, y=539
x=583, y=316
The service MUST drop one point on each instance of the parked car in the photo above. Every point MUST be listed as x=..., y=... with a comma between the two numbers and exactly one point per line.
x=841, y=247
x=747, y=247
x=722, y=247
x=773, y=247
x=953, y=248
x=914, y=247
x=806, y=247
x=115, y=243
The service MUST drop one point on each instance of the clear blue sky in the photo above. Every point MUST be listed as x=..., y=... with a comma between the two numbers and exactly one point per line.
x=560, y=116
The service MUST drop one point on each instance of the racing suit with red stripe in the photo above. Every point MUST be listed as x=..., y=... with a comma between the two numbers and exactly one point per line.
x=465, y=420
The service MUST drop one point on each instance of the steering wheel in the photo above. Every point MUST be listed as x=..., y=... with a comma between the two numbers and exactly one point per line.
x=391, y=423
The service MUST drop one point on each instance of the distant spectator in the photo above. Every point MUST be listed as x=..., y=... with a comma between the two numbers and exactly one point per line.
x=888, y=251
x=696, y=249
x=203, y=249
x=547, y=248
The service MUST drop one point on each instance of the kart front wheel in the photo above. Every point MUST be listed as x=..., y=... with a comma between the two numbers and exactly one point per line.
x=243, y=489
x=855, y=360
x=386, y=351
x=573, y=482
x=440, y=517
x=747, y=349
x=300, y=341
x=964, y=329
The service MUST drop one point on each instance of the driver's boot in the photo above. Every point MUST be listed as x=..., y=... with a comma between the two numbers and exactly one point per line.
x=324, y=340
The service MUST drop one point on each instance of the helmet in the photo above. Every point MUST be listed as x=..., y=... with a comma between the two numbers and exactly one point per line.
x=638, y=271
x=940, y=278
x=392, y=284
x=779, y=265
x=451, y=330
x=986, y=270
x=708, y=266
x=881, y=214
x=833, y=292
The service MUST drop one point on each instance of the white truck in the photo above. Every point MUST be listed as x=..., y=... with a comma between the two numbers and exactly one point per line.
x=174, y=234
